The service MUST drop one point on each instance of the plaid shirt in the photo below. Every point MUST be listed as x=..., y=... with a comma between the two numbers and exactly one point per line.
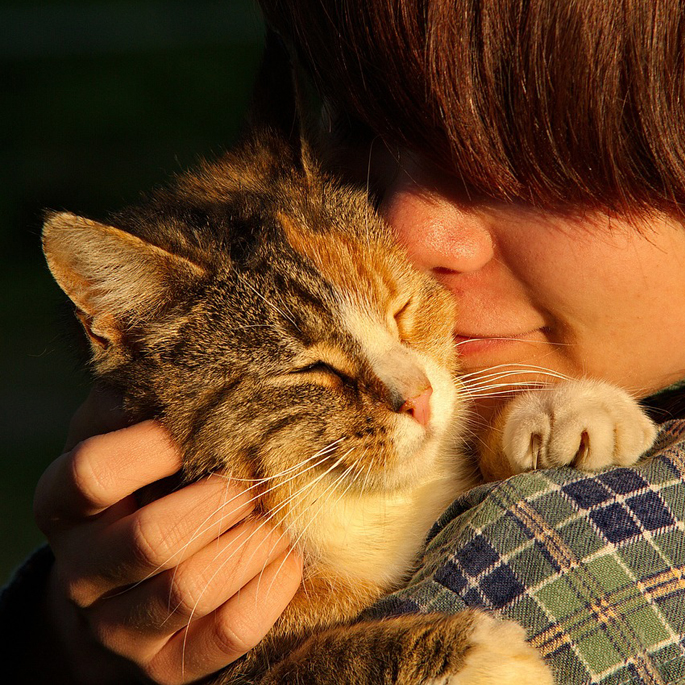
x=593, y=566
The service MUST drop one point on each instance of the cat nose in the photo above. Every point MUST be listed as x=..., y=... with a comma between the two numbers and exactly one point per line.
x=419, y=407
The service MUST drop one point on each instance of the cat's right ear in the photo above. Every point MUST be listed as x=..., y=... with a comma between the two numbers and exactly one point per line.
x=114, y=279
x=279, y=102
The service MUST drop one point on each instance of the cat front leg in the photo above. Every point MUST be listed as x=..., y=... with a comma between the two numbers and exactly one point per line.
x=585, y=423
x=468, y=648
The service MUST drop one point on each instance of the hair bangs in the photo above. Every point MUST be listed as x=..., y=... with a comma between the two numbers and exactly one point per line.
x=546, y=102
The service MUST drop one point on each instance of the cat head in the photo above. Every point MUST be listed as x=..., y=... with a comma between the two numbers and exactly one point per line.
x=264, y=312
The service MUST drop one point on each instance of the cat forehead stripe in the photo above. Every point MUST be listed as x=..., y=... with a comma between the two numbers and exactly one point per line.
x=352, y=265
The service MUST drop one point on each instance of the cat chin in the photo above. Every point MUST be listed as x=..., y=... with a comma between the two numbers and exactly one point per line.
x=373, y=536
x=425, y=464
x=427, y=455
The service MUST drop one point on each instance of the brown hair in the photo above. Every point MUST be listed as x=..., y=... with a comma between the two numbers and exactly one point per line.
x=552, y=102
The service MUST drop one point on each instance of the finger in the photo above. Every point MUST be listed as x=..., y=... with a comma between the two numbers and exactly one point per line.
x=156, y=609
x=101, y=471
x=101, y=412
x=223, y=636
x=156, y=537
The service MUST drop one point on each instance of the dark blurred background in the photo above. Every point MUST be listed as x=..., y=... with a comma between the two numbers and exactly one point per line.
x=99, y=100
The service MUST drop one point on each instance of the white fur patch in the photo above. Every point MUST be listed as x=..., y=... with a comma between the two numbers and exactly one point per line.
x=498, y=654
x=375, y=535
x=404, y=370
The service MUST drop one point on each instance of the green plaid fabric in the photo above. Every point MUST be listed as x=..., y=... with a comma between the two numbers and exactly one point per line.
x=593, y=566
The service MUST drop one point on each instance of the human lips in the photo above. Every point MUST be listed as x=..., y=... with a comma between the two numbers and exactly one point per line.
x=493, y=336
x=474, y=343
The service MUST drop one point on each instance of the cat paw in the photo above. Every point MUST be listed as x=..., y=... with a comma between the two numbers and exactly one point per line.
x=589, y=424
x=498, y=654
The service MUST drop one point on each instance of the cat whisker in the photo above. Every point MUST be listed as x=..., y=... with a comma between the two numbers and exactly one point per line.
x=272, y=514
x=271, y=304
x=504, y=380
x=499, y=393
x=366, y=478
x=261, y=494
x=526, y=340
x=324, y=450
x=506, y=384
x=352, y=482
x=260, y=481
x=508, y=374
x=332, y=487
x=516, y=386
x=205, y=525
x=198, y=531
x=517, y=367
x=291, y=496
x=537, y=377
x=299, y=492
x=264, y=522
x=290, y=525
x=289, y=479
x=476, y=382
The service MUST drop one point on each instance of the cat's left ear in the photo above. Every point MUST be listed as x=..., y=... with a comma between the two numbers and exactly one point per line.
x=114, y=278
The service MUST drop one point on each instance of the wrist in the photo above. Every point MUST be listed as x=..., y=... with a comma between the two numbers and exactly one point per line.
x=26, y=645
x=83, y=661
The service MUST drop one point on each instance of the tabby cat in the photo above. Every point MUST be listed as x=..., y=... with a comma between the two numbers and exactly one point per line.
x=262, y=311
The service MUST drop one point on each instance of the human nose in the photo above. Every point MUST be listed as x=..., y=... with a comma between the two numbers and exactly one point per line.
x=439, y=234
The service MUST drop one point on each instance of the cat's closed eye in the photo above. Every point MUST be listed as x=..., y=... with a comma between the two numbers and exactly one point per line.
x=402, y=319
x=316, y=366
x=324, y=361
x=330, y=371
x=402, y=308
x=327, y=371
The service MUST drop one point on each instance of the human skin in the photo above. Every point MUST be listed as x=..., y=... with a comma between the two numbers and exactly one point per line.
x=127, y=579
x=579, y=294
x=583, y=294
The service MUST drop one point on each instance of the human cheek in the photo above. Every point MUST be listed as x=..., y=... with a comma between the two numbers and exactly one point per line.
x=583, y=279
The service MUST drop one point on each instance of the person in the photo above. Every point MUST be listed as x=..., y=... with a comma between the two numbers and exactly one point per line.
x=529, y=155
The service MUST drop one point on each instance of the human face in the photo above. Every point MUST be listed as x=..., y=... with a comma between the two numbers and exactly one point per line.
x=579, y=295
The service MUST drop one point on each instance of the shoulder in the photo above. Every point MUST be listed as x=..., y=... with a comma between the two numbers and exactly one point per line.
x=592, y=565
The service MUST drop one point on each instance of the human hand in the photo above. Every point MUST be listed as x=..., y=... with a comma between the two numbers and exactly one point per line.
x=173, y=590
